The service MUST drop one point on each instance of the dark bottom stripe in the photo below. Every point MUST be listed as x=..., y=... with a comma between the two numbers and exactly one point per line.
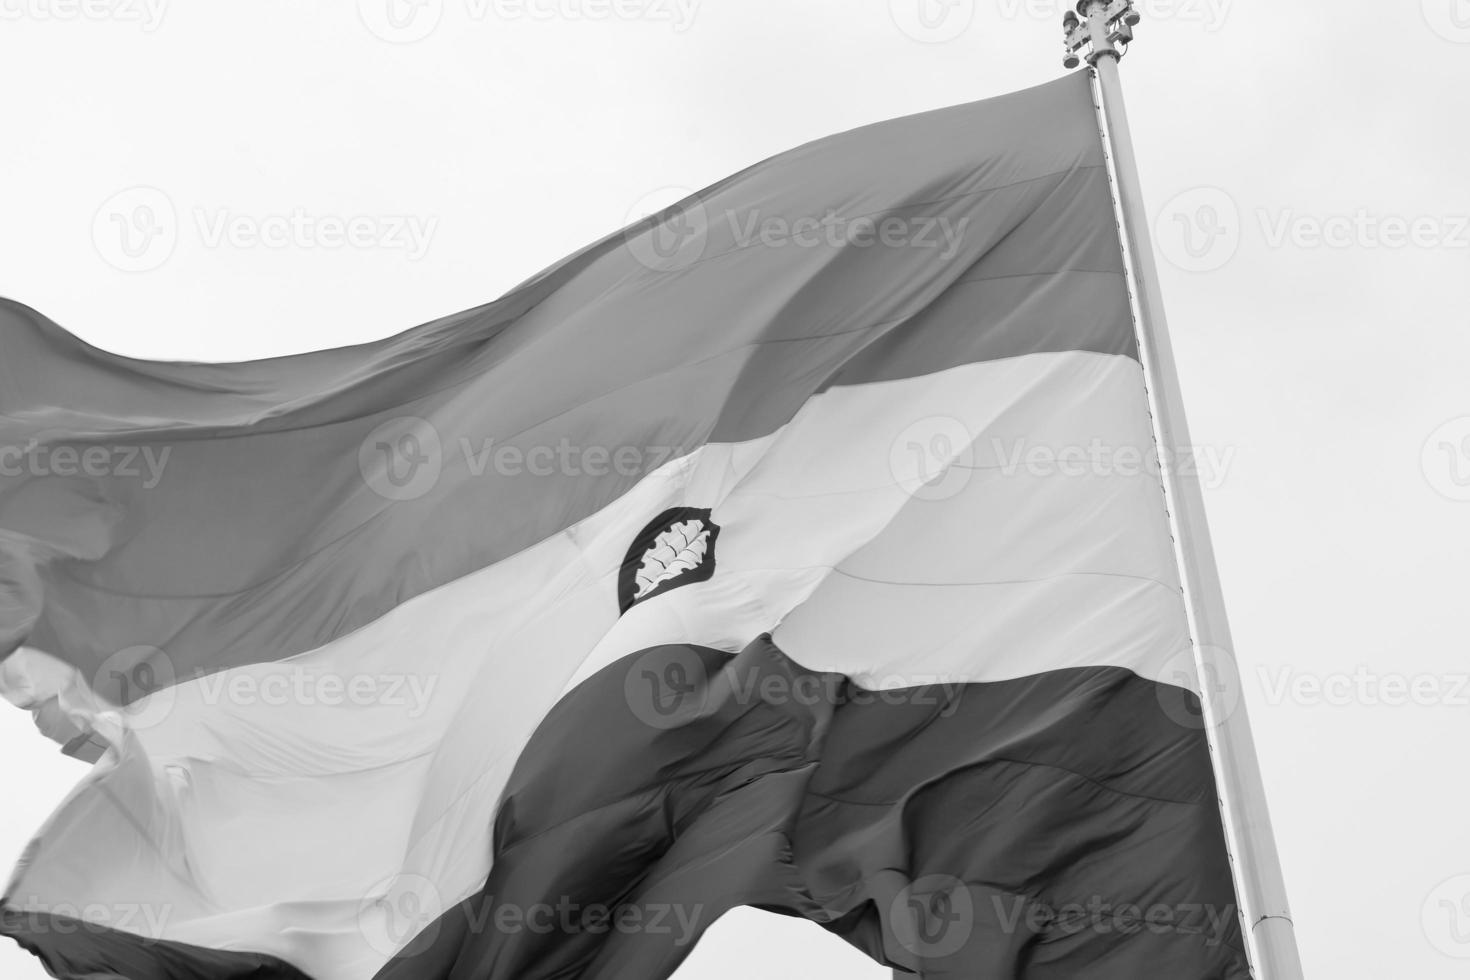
x=1057, y=826
x=75, y=950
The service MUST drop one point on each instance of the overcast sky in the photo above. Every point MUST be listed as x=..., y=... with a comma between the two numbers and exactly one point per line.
x=1305, y=163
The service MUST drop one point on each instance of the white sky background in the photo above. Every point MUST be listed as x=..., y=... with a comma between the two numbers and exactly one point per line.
x=1317, y=374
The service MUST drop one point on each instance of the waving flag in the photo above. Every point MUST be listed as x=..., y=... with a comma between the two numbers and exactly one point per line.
x=796, y=547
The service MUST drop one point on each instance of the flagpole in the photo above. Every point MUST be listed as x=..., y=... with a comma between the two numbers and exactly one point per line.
x=1105, y=27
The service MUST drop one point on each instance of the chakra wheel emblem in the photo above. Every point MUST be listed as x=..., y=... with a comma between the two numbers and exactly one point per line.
x=675, y=549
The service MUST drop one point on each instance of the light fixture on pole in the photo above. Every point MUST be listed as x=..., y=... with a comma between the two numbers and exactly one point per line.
x=1106, y=27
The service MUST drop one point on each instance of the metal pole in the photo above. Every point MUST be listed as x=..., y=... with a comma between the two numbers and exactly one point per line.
x=1105, y=27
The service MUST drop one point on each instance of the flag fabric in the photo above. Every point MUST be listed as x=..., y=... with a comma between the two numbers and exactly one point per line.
x=795, y=547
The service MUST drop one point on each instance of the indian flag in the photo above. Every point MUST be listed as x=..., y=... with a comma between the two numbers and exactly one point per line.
x=801, y=546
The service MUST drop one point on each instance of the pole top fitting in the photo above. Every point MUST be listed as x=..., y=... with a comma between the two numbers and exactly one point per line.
x=1098, y=29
